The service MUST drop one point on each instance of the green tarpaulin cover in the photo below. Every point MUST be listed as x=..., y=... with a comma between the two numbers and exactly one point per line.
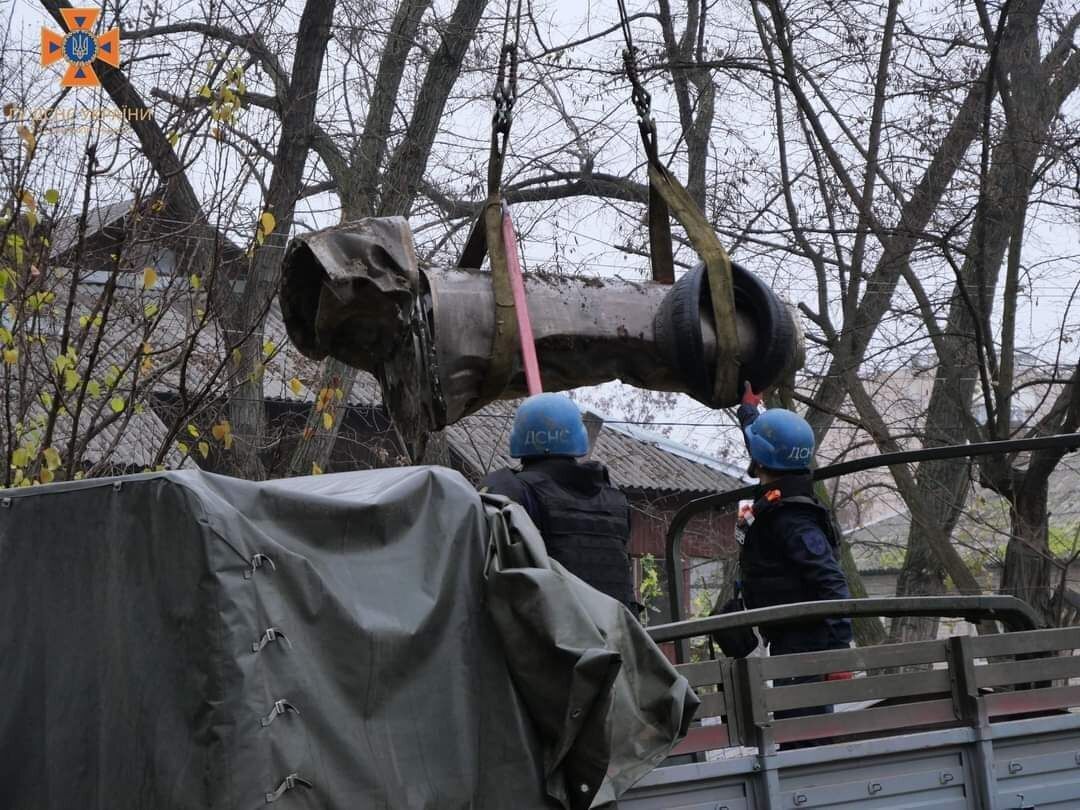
x=378, y=639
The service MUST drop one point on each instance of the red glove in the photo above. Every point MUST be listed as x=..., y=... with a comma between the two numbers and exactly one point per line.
x=749, y=397
x=839, y=676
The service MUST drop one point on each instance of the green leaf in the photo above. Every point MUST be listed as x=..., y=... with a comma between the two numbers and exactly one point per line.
x=52, y=458
x=117, y=404
x=93, y=388
x=52, y=196
x=20, y=458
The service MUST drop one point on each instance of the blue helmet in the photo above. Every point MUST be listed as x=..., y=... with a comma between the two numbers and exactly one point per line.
x=780, y=440
x=548, y=425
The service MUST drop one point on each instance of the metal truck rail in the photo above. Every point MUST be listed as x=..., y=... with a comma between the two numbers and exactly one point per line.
x=982, y=722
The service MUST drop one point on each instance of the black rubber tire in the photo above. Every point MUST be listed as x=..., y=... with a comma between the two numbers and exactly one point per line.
x=775, y=329
x=677, y=326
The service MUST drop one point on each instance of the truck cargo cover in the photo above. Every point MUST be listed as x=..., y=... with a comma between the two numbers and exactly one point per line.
x=379, y=639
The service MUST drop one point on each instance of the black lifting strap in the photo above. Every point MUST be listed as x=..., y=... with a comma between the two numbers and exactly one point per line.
x=667, y=197
x=485, y=237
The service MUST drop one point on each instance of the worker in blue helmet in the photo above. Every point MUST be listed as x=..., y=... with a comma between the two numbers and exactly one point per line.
x=790, y=541
x=584, y=520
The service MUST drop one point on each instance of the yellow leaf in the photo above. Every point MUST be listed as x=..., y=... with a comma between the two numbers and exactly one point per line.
x=267, y=223
x=315, y=469
x=71, y=379
x=28, y=136
x=204, y=91
x=117, y=404
x=52, y=458
x=11, y=356
x=46, y=476
x=196, y=282
x=182, y=447
x=29, y=201
x=268, y=348
x=193, y=431
x=204, y=449
x=339, y=394
x=150, y=310
x=149, y=277
x=20, y=458
x=174, y=138
x=52, y=196
x=295, y=385
x=327, y=420
x=93, y=388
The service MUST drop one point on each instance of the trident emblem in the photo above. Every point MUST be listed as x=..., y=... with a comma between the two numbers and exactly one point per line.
x=79, y=47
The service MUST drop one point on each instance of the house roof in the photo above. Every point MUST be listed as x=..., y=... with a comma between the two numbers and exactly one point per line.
x=65, y=233
x=636, y=459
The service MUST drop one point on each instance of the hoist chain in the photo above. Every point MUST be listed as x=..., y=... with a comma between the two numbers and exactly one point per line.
x=505, y=89
x=505, y=94
x=638, y=94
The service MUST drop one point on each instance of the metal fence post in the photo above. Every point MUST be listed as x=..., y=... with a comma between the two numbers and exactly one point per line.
x=971, y=710
x=757, y=730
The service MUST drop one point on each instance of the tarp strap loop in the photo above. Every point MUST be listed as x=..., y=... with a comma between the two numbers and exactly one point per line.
x=288, y=783
x=280, y=707
x=272, y=634
x=257, y=562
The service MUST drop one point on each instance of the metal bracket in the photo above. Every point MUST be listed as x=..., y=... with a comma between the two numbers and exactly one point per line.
x=288, y=783
x=271, y=634
x=257, y=562
x=280, y=707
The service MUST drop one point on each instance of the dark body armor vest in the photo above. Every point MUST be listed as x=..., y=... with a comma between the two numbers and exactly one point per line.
x=585, y=523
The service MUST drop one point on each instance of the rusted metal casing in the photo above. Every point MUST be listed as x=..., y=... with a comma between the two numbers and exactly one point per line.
x=355, y=292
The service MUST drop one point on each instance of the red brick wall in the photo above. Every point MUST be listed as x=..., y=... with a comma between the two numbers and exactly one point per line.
x=707, y=535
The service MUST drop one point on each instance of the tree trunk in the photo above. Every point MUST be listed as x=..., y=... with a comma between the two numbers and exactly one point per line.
x=1027, y=558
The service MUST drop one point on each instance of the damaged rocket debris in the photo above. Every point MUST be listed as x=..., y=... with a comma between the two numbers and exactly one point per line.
x=355, y=292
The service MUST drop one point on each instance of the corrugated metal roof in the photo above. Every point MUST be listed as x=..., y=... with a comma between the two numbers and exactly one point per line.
x=65, y=234
x=635, y=458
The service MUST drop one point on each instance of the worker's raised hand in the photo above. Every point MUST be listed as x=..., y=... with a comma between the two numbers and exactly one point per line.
x=749, y=397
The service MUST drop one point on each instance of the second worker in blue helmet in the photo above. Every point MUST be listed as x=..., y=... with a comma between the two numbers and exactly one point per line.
x=790, y=547
x=584, y=520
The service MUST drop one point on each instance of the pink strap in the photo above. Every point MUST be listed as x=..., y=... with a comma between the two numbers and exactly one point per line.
x=521, y=307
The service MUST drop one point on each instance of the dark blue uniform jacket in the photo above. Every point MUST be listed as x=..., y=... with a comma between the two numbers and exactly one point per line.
x=786, y=558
